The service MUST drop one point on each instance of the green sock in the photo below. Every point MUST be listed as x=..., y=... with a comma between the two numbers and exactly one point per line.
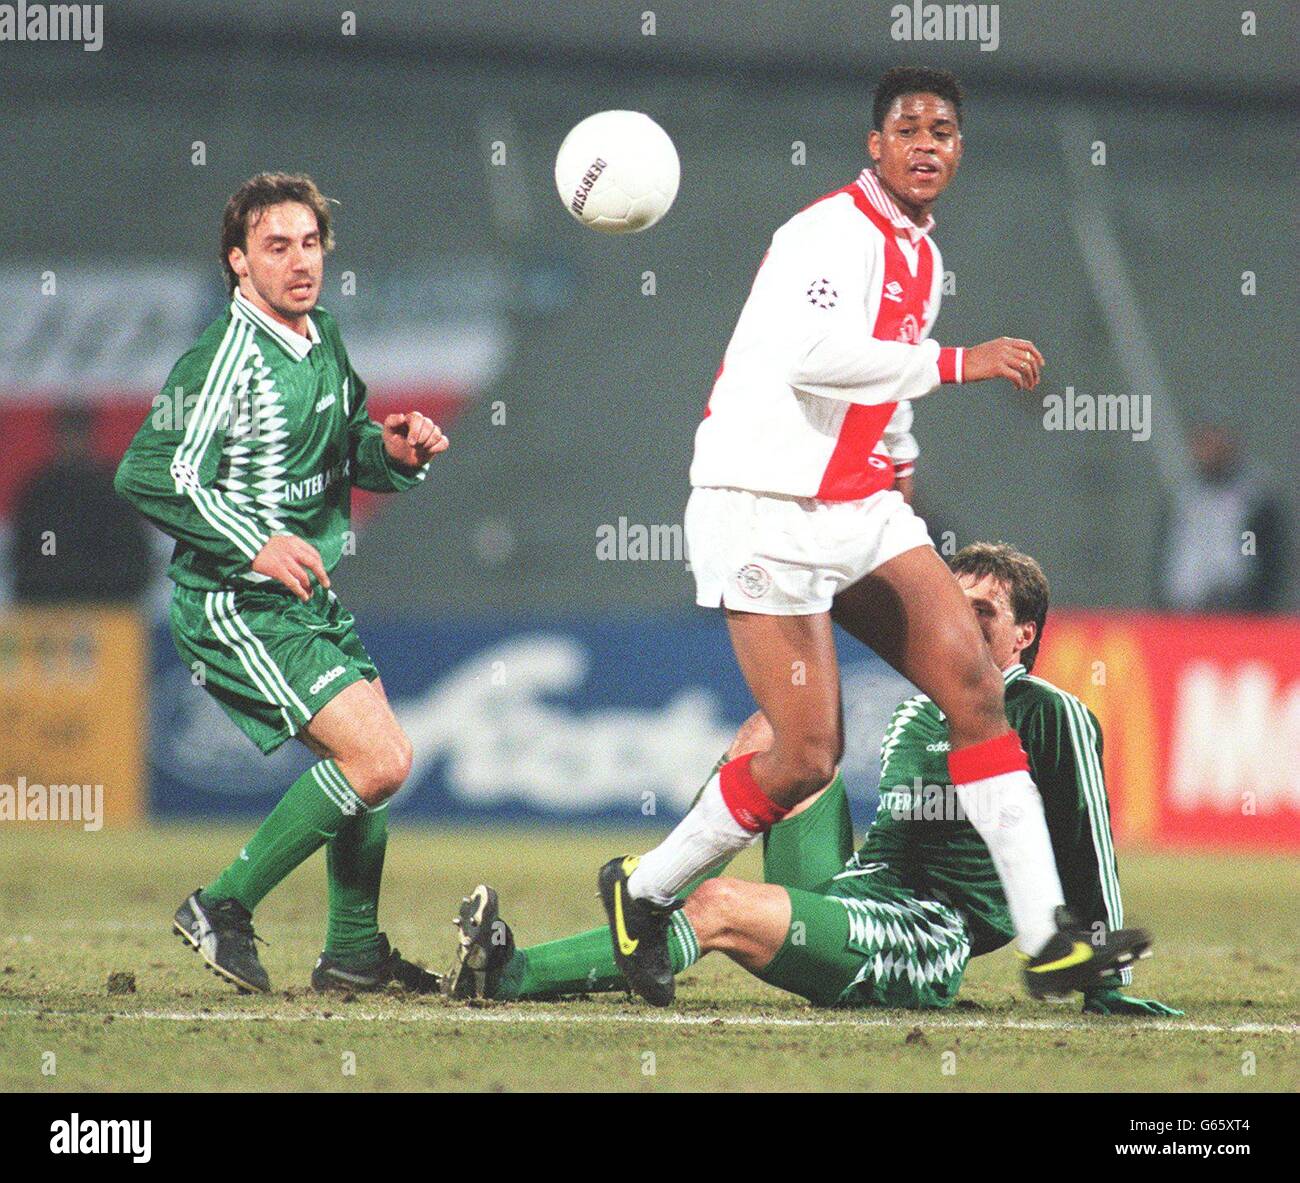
x=354, y=865
x=308, y=816
x=807, y=849
x=584, y=964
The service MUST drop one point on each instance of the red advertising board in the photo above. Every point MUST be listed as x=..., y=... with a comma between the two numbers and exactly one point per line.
x=1200, y=718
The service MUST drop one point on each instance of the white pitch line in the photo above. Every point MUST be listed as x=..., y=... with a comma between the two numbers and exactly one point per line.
x=450, y=1017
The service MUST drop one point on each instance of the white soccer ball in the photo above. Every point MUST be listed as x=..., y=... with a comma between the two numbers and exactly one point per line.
x=617, y=172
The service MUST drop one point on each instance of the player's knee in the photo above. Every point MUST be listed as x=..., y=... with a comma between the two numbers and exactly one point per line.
x=812, y=760
x=713, y=908
x=754, y=735
x=387, y=765
x=397, y=761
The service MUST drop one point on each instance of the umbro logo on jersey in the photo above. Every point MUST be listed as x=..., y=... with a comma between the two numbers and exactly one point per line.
x=893, y=291
x=325, y=679
x=327, y=401
x=821, y=295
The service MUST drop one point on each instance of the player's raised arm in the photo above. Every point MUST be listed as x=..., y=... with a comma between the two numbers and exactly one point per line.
x=817, y=288
x=392, y=457
x=412, y=439
x=813, y=288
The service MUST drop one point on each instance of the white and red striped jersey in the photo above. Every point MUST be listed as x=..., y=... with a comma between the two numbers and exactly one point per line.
x=813, y=395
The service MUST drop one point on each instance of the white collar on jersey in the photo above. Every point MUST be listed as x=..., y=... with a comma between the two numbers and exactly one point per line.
x=1012, y=672
x=296, y=344
x=887, y=208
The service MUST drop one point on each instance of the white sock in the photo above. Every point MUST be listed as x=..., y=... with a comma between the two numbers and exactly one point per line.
x=704, y=839
x=1007, y=812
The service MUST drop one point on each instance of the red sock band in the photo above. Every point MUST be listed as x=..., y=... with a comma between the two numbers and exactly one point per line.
x=752, y=808
x=993, y=757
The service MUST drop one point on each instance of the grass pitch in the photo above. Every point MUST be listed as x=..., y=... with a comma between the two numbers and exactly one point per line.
x=77, y=909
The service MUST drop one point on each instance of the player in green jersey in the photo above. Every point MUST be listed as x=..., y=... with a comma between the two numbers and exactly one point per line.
x=248, y=461
x=895, y=923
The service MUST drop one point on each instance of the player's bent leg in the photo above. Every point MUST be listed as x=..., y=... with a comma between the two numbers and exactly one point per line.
x=811, y=843
x=488, y=964
x=815, y=838
x=790, y=665
x=913, y=613
x=357, y=956
x=584, y=963
x=746, y=921
x=217, y=920
x=789, y=662
x=360, y=733
x=869, y=945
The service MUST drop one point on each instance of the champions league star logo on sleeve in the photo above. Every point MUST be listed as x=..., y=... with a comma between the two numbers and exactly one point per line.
x=821, y=295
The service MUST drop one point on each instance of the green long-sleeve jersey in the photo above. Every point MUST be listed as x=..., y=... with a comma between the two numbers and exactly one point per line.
x=258, y=431
x=921, y=832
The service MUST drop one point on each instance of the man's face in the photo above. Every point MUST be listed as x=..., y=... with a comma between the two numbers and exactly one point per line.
x=918, y=149
x=997, y=621
x=284, y=261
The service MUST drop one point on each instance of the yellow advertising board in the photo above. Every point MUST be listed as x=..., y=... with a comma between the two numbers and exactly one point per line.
x=73, y=716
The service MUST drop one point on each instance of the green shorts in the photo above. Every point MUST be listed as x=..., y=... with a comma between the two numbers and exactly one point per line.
x=860, y=938
x=270, y=660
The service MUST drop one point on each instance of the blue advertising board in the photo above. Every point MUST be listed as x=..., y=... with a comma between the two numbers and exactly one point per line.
x=609, y=721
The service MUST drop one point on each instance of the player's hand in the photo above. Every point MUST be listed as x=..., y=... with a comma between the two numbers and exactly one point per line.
x=1109, y=1001
x=292, y=562
x=412, y=439
x=1019, y=362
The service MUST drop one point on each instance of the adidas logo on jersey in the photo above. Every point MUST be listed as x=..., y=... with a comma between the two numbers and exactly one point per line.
x=325, y=679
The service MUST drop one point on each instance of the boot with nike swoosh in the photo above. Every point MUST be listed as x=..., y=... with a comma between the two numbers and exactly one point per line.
x=1074, y=959
x=639, y=930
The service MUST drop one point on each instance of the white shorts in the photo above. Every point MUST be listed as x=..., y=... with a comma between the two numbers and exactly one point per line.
x=790, y=556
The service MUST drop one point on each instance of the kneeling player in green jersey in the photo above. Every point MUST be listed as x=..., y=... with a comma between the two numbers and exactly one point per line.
x=895, y=923
x=248, y=461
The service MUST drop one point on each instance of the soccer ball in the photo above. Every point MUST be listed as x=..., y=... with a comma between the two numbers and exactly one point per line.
x=617, y=172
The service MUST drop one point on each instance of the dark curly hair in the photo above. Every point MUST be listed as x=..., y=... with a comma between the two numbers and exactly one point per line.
x=913, y=80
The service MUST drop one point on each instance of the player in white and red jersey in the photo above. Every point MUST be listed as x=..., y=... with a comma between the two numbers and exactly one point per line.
x=794, y=519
